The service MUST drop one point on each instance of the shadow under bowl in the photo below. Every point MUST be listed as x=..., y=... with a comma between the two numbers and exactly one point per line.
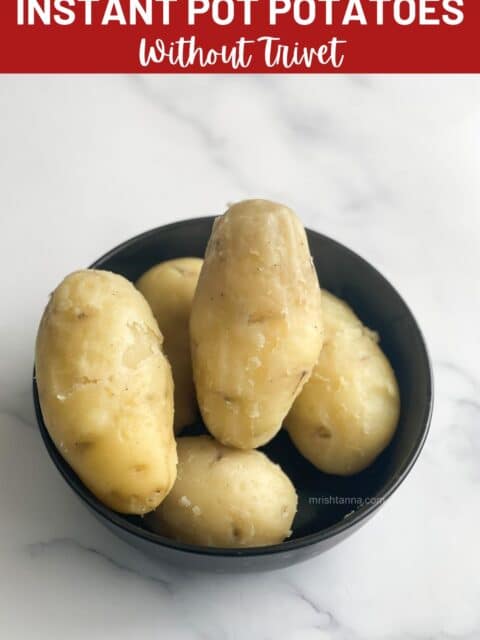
x=330, y=508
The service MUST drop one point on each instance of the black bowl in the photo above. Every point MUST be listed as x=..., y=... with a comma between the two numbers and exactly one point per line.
x=330, y=507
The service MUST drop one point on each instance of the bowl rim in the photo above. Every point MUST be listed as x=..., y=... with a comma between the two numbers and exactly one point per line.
x=358, y=516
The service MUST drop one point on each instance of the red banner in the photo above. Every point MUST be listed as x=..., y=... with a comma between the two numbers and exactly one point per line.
x=241, y=36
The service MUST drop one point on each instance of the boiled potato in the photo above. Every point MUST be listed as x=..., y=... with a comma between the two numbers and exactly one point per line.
x=106, y=390
x=225, y=497
x=255, y=323
x=347, y=412
x=169, y=288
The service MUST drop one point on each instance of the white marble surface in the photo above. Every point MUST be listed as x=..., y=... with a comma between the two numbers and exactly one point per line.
x=388, y=166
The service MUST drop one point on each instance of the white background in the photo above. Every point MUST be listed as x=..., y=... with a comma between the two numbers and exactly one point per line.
x=388, y=166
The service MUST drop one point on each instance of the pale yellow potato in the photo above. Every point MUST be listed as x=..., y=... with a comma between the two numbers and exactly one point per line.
x=348, y=411
x=106, y=390
x=169, y=288
x=225, y=497
x=255, y=325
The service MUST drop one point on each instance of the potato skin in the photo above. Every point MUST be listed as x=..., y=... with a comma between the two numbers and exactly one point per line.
x=225, y=497
x=348, y=411
x=255, y=324
x=169, y=288
x=106, y=390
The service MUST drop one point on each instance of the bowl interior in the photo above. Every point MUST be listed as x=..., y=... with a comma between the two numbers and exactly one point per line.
x=326, y=503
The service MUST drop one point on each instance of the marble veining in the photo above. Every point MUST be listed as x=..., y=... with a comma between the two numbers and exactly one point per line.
x=388, y=166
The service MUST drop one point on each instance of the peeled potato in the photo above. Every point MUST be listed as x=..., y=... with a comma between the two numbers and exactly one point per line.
x=106, y=390
x=348, y=411
x=225, y=497
x=169, y=288
x=255, y=324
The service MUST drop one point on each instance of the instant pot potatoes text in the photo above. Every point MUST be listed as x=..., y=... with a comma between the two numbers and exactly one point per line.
x=169, y=288
x=255, y=324
x=106, y=390
x=348, y=411
x=225, y=497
